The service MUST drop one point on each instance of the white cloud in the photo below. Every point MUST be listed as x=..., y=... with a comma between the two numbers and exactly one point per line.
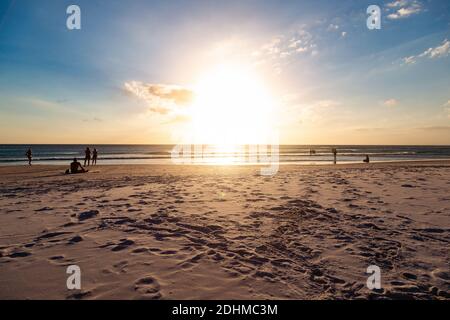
x=398, y=3
x=403, y=8
x=390, y=102
x=409, y=60
x=161, y=98
x=333, y=27
x=439, y=51
x=280, y=50
x=343, y=34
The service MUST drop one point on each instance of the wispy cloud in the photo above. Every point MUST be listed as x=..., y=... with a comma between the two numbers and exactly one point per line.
x=369, y=129
x=390, y=102
x=281, y=49
x=440, y=51
x=435, y=128
x=437, y=52
x=403, y=8
x=333, y=27
x=161, y=98
x=50, y=106
x=95, y=119
x=326, y=103
x=447, y=108
x=316, y=111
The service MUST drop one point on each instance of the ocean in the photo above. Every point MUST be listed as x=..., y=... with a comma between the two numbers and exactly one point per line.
x=161, y=154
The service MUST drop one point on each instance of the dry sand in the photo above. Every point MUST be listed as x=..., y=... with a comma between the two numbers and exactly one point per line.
x=206, y=232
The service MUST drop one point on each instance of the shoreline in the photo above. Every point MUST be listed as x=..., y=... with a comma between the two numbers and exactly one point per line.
x=293, y=163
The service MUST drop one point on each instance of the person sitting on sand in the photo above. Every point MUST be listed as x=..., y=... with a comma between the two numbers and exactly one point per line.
x=76, y=167
x=367, y=160
x=94, y=156
x=87, y=156
x=29, y=156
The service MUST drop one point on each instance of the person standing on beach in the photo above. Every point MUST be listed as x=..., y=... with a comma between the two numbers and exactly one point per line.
x=366, y=160
x=334, y=150
x=29, y=156
x=87, y=156
x=94, y=156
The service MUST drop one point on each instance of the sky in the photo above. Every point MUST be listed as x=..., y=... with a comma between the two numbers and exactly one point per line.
x=207, y=71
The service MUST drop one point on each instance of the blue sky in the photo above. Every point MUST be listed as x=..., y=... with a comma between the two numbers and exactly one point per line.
x=335, y=80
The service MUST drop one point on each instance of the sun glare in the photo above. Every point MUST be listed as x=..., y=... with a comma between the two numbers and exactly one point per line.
x=232, y=106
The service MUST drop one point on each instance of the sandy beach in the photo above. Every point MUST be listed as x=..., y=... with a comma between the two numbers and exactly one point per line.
x=218, y=232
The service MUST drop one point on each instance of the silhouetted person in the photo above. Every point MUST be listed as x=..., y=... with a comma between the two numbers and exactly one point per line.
x=29, y=156
x=94, y=157
x=87, y=156
x=367, y=160
x=312, y=152
x=334, y=150
x=76, y=167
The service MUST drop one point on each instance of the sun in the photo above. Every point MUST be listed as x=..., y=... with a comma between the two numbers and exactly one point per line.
x=233, y=106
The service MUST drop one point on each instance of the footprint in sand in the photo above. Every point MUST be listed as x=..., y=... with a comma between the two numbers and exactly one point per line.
x=140, y=250
x=79, y=295
x=75, y=239
x=148, y=287
x=19, y=254
x=125, y=243
x=44, y=209
x=87, y=215
x=441, y=274
x=56, y=258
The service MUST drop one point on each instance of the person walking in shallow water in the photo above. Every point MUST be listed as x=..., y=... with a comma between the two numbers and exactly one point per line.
x=87, y=156
x=94, y=156
x=334, y=150
x=29, y=155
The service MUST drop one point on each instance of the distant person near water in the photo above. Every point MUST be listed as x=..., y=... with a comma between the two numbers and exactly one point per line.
x=87, y=156
x=94, y=156
x=334, y=150
x=76, y=167
x=29, y=155
x=366, y=160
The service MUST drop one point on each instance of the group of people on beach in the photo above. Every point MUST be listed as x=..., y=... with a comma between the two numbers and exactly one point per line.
x=334, y=151
x=90, y=158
